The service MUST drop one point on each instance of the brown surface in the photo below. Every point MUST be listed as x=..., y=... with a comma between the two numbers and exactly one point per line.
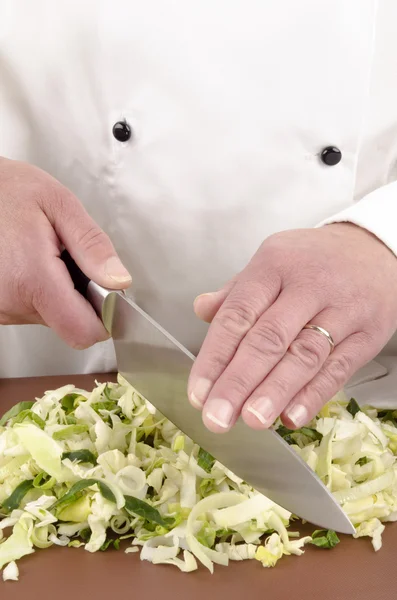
x=351, y=571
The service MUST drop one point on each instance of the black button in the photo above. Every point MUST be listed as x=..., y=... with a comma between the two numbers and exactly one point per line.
x=331, y=156
x=122, y=131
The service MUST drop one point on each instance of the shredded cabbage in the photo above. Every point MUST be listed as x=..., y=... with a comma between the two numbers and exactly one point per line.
x=11, y=572
x=95, y=469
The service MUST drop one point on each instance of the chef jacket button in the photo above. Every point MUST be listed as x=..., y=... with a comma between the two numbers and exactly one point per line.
x=122, y=131
x=331, y=156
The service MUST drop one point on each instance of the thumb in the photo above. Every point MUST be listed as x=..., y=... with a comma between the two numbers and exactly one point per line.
x=207, y=305
x=89, y=245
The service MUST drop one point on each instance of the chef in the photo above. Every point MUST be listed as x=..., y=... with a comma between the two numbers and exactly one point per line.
x=230, y=162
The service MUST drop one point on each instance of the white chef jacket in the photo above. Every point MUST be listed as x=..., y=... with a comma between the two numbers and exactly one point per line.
x=231, y=105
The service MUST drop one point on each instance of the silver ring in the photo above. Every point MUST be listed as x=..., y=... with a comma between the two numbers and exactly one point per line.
x=323, y=332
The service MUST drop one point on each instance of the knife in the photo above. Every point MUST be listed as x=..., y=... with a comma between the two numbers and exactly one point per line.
x=158, y=367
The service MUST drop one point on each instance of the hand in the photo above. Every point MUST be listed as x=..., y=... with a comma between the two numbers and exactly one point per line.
x=38, y=216
x=258, y=360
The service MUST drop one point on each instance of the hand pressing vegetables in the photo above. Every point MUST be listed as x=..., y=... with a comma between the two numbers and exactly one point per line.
x=93, y=469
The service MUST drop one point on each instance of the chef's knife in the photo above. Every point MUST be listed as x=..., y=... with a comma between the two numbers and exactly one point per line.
x=158, y=367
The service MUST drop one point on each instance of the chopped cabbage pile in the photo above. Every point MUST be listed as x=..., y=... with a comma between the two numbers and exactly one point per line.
x=95, y=469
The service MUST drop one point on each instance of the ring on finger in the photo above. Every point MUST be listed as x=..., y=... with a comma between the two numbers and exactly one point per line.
x=323, y=332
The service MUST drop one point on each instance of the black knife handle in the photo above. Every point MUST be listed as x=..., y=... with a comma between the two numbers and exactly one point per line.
x=80, y=280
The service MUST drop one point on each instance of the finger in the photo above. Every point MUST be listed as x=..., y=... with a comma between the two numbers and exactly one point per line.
x=89, y=246
x=64, y=310
x=262, y=348
x=207, y=305
x=303, y=360
x=353, y=353
x=237, y=315
x=33, y=319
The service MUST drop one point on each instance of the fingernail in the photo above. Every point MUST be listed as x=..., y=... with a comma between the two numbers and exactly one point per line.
x=221, y=413
x=262, y=409
x=200, y=391
x=115, y=269
x=298, y=415
x=196, y=403
x=203, y=296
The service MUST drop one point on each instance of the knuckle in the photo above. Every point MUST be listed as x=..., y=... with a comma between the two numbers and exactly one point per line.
x=92, y=237
x=236, y=319
x=320, y=391
x=268, y=338
x=216, y=363
x=337, y=369
x=370, y=338
x=274, y=245
x=281, y=388
x=239, y=383
x=308, y=352
x=50, y=196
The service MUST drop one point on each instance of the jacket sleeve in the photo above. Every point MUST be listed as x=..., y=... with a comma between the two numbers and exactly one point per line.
x=376, y=212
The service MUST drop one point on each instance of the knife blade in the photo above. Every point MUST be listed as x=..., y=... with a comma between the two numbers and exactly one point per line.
x=158, y=367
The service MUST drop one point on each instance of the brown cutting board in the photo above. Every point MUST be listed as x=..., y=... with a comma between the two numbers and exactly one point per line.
x=351, y=571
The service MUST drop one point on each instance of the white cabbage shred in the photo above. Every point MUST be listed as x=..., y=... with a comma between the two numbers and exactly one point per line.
x=96, y=469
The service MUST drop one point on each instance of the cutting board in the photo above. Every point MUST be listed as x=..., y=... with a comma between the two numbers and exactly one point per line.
x=351, y=571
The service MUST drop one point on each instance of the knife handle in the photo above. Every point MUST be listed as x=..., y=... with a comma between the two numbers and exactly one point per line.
x=91, y=291
x=80, y=279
